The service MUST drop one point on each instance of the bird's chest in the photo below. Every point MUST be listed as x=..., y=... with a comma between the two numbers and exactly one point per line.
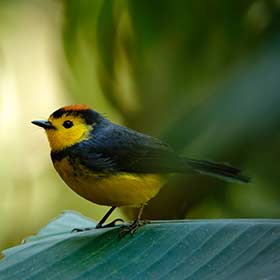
x=74, y=173
x=116, y=189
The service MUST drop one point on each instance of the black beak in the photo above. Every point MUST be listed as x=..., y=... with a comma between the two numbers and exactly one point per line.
x=44, y=124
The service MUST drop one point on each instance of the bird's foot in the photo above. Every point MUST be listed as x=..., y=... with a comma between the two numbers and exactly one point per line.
x=132, y=228
x=112, y=224
x=81, y=229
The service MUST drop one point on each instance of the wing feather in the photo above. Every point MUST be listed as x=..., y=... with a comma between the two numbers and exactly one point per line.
x=119, y=149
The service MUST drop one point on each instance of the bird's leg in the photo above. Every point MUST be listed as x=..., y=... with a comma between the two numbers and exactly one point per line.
x=106, y=216
x=135, y=225
x=101, y=222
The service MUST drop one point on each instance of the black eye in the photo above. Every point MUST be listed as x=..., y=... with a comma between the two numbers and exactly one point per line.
x=67, y=124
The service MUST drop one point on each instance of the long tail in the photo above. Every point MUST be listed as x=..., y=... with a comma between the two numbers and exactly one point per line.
x=219, y=170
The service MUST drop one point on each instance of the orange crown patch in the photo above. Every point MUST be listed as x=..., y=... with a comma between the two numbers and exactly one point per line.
x=76, y=107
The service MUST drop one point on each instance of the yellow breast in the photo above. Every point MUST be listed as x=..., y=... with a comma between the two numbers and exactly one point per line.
x=121, y=189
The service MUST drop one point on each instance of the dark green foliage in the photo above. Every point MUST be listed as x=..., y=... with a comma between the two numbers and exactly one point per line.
x=201, y=76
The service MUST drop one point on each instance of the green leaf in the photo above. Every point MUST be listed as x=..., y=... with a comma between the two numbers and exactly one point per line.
x=199, y=249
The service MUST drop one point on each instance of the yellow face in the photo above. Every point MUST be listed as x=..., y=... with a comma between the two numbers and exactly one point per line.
x=67, y=130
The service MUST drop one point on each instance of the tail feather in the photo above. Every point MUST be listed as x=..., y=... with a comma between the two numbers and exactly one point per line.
x=219, y=170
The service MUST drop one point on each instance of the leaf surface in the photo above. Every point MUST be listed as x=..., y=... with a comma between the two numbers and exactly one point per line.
x=197, y=249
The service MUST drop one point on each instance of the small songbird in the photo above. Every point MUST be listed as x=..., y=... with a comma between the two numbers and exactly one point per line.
x=112, y=165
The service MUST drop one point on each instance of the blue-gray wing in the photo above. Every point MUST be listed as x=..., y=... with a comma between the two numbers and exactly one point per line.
x=118, y=149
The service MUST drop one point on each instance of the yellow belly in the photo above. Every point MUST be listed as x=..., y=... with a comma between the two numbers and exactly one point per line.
x=122, y=189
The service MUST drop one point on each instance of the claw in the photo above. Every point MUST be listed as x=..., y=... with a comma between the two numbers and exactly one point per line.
x=80, y=229
x=112, y=224
x=132, y=228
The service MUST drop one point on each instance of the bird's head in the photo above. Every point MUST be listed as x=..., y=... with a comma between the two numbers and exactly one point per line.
x=69, y=125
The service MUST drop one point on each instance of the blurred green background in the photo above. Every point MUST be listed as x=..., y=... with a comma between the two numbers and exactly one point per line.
x=202, y=75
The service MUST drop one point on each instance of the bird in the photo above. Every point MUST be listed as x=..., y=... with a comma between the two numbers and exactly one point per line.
x=109, y=164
